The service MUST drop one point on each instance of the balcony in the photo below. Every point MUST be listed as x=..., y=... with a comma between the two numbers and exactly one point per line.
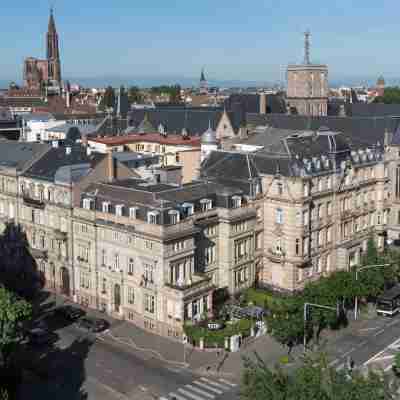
x=275, y=255
x=28, y=201
x=200, y=285
x=233, y=214
x=38, y=253
x=60, y=235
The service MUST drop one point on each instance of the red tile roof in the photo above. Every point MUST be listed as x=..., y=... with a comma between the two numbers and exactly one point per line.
x=148, y=137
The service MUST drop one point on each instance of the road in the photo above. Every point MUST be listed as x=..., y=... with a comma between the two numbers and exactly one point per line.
x=106, y=370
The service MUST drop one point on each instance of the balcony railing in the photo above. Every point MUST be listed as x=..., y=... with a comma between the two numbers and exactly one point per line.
x=34, y=203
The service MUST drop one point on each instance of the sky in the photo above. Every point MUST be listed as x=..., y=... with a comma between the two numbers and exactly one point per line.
x=249, y=40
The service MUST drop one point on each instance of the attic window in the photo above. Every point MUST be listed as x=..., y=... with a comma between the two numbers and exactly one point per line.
x=236, y=201
x=205, y=204
x=105, y=207
x=119, y=210
x=173, y=216
x=133, y=212
x=87, y=204
x=152, y=217
x=188, y=209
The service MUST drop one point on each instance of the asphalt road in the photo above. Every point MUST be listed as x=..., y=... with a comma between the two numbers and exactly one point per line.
x=106, y=370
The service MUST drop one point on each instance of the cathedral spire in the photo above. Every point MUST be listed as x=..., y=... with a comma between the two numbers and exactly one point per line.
x=52, y=24
x=53, y=53
x=307, y=35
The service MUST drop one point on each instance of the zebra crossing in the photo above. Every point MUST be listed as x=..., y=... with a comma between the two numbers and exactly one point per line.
x=201, y=389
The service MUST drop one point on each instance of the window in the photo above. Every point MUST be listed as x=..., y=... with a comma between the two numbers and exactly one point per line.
x=105, y=206
x=133, y=212
x=328, y=182
x=148, y=273
x=236, y=201
x=87, y=204
x=379, y=219
x=41, y=195
x=320, y=185
x=305, y=218
x=279, y=188
x=258, y=240
x=173, y=217
x=329, y=235
x=278, y=246
x=177, y=159
x=119, y=210
x=240, y=226
x=188, y=209
x=152, y=217
x=104, y=286
x=177, y=246
x=149, y=303
x=328, y=262
x=279, y=216
x=306, y=189
x=211, y=230
x=131, y=266
x=319, y=265
x=297, y=247
x=116, y=262
x=320, y=211
x=131, y=295
x=242, y=249
x=103, y=257
x=83, y=253
x=205, y=205
x=329, y=208
x=148, y=244
x=320, y=238
x=209, y=255
x=49, y=195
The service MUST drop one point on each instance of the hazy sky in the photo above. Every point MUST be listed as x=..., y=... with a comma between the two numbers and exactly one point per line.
x=233, y=39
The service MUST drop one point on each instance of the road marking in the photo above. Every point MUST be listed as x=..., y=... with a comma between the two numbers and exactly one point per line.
x=348, y=352
x=193, y=396
x=369, y=329
x=381, y=352
x=119, y=395
x=379, y=332
x=332, y=363
x=362, y=343
x=340, y=367
x=218, y=385
x=205, y=386
x=197, y=390
x=227, y=382
x=177, y=396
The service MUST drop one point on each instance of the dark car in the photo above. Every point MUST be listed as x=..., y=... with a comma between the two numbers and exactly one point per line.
x=70, y=313
x=95, y=325
x=41, y=337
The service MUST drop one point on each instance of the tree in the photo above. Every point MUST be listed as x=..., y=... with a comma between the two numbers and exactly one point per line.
x=390, y=96
x=314, y=379
x=108, y=100
x=135, y=95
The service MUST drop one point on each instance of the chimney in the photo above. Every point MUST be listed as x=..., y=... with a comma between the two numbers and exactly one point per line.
x=68, y=150
x=111, y=167
x=263, y=103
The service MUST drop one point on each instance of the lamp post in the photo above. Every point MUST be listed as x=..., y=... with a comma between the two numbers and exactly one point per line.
x=306, y=305
x=357, y=271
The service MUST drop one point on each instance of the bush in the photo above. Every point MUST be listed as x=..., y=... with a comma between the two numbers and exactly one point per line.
x=217, y=338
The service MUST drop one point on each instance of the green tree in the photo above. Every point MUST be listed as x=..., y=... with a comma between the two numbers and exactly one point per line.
x=108, y=99
x=314, y=379
x=13, y=311
x=135, y=95
x=391, y=96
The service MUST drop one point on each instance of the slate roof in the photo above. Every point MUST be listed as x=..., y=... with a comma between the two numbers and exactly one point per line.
x=360, y=132
x=374, y=110
x=47, y=166
x=19, y=154
x=175, y=119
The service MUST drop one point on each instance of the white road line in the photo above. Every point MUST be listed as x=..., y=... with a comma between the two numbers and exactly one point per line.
x=177, y=397
x=227, y=382
x=197, y=390
x=334, y=362
x=348, y=352
x=218, y=385
x=340, y=367
x=379, y=332
x=191, y=395
x=205, y=386
x=391, y=345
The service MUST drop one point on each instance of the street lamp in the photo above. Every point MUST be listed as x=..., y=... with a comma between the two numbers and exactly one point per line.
x=357, y=271
x=306, y=305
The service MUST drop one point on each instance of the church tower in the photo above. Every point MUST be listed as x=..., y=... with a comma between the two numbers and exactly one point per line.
x=53, y=54
x=307, y=90
x=203, y=88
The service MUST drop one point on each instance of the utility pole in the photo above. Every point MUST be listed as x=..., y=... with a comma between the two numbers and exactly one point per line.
x=306, y=305
x=359, y=270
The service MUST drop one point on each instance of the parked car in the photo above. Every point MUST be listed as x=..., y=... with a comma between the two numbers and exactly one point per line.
x=41, y=337
x=95, y=325
x=70, y=313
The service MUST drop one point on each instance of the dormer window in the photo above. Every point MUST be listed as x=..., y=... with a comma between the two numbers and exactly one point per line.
x=173, y=217
x=133, y=212
x=236, y=201
x=188, y=208
x=152, y=217
x=105, y=206
x=87, y=204
x=205, y=204
x=119, y=209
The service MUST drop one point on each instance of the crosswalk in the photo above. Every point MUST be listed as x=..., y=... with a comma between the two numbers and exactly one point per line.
x=201, y=389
